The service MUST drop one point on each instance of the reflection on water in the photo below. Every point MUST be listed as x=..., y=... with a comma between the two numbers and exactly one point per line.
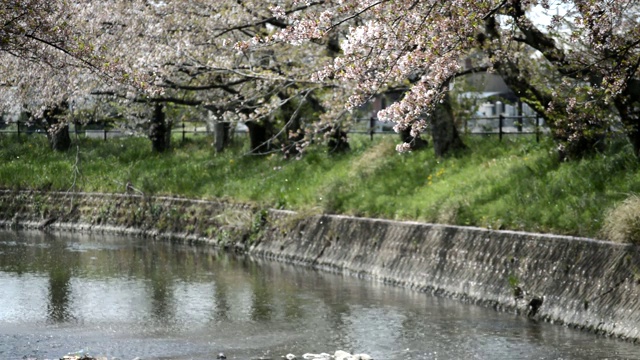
x=126, y=298
x=60, y=265
x=222, y=305
x=262, y=297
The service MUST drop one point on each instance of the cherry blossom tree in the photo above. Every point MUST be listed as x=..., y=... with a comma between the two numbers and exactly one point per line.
x=36, y=30
x=33, y=32
x=293, y=70
x=580, y=72
x=196, y=54
x=391, y=44
x=584, y=78
x=49, y=53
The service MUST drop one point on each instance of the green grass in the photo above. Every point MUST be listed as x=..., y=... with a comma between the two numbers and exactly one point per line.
x=514, y=184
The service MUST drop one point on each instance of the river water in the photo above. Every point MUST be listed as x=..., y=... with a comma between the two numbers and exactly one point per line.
x=129, y=298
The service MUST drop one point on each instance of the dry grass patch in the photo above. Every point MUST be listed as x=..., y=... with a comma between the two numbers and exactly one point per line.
x=622, y=223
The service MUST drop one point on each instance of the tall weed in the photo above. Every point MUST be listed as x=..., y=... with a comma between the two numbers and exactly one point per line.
x=622, y=223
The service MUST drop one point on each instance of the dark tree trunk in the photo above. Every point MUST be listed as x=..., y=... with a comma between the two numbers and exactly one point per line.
x=578, y=135
x=338, y=141
x=630, y=118
x=222, y=131
x=580, y=148
x=416, y=143
x=293, y=137
x=291, y=134
x=633, y=134
x=159, y=130
x=260, y=137
x=57, y=128
x=59, y=138
x=446, y=139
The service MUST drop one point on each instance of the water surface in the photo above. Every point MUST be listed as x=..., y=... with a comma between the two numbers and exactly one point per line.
x=126, y=297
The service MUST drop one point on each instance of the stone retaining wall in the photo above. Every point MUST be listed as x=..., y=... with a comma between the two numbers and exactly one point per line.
x=216, y=222
x=583, y=283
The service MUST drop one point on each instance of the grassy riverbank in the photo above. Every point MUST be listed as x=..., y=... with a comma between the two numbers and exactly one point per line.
x=514, y=184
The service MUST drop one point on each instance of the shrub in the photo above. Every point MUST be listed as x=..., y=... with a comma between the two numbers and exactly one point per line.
x=622, y=223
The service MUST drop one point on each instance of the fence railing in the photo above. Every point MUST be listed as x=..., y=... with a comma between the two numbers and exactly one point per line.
x=506, y=125
x=500, y=125
x=496, y=125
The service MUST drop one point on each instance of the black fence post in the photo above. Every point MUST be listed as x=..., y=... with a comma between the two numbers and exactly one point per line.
x=18, y=124
x=184, y=132
x=372, y=127
x=501, y=121
x=105, y=134
x=537, y=128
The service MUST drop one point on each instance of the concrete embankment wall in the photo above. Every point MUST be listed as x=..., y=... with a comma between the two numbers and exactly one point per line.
x=583, y=283
x=217, y=222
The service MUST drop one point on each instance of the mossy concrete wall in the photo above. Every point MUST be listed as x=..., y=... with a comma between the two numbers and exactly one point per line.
x=217, y=222
x=585, y=283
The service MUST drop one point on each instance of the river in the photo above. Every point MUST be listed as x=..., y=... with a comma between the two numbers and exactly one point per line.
x=129, y=298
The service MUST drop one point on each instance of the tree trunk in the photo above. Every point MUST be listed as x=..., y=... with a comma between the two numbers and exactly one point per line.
x=159, y=130
x=630, y=118
x=578, y=135
x=582, y=146
x=59, y=138
x=57, y=128
x=260, y=137
x=416, y=143
x=222, y=130
x=633, y=134
x=294, y=136
x=446, y=139
x=291, y=134
x=338, y=141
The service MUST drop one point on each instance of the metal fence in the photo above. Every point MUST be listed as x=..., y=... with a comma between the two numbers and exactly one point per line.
x=487, y=125
x=23, y=128
x=497, y=125
x=506, y=125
